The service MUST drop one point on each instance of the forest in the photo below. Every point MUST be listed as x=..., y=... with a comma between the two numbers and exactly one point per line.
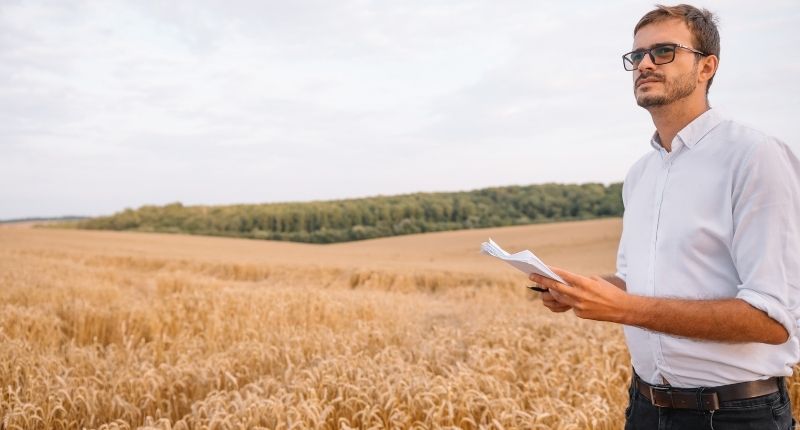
x=372, y=217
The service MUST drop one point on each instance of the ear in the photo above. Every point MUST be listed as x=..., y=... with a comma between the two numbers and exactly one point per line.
x=708, y=67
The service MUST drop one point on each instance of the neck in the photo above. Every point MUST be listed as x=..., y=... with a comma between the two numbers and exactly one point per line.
x=672, y=118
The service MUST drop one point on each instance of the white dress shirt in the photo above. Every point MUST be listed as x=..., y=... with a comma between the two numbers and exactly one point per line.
x=718, y=217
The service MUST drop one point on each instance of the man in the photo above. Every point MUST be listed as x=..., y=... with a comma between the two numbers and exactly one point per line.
x=708, y=269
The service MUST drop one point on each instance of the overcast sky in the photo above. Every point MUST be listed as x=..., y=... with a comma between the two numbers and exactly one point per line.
x=106, y=105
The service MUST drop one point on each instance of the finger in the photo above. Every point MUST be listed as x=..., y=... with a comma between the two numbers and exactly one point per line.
x=560, y=290
x=541, y=280
x=559, y=293
x=548, y=299
x=552, y=296
x=572, y=279
x=560, y=308
x=550, y=302
x=554, y=305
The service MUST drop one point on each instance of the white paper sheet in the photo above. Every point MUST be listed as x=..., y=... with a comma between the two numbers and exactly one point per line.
x=525, y=261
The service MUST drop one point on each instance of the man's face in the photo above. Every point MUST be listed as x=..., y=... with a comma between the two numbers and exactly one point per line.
x=659, y=85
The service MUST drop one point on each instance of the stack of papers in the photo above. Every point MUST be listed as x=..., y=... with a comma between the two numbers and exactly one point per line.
x=525, y=260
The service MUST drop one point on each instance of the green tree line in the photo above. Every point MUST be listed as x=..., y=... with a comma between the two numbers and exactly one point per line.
x=366, y=218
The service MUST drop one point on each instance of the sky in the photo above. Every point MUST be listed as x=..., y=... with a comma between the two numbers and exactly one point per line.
x=107, y=105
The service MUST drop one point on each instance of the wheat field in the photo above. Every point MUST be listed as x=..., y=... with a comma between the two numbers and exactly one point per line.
x=118, y=330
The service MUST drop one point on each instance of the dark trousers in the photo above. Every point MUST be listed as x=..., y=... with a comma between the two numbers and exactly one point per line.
x=770, y=412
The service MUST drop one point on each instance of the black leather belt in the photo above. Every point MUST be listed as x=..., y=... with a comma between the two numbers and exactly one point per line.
x=707, y=399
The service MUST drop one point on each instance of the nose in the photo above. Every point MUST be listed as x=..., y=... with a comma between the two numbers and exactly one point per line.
x=646, y=64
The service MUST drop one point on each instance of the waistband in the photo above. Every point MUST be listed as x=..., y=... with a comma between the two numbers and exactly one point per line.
x=704, y=398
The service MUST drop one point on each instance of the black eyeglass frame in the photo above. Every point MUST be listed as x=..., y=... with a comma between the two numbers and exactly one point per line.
x=626, y=61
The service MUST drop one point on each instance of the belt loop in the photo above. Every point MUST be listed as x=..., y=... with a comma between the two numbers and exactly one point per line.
x=700, y=397
x=782, y=388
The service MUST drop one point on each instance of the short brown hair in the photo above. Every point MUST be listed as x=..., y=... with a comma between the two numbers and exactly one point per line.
x=701, y=22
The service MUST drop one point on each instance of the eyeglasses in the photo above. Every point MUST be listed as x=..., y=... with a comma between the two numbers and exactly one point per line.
x=661, y=54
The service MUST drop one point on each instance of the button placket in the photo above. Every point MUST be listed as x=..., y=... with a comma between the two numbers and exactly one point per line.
x=659, y=200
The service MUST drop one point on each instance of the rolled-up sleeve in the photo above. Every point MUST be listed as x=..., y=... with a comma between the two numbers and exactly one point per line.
x=766, y=239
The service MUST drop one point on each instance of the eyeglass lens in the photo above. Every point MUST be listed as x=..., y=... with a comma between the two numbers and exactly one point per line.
x=658, y=55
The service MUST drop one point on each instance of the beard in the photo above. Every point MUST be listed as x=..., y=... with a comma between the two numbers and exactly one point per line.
x=675, y=89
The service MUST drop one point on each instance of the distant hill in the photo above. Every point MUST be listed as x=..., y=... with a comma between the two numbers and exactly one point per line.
x=372, y=217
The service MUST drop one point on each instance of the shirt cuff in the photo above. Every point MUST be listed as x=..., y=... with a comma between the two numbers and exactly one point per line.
x=771, y=307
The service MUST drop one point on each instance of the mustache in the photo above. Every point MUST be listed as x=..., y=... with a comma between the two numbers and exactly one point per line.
x=649, y=75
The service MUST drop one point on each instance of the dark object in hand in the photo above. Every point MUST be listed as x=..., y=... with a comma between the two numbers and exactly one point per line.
x=539, y=289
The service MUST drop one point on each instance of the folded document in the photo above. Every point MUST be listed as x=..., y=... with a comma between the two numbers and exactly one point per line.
x=525, y=260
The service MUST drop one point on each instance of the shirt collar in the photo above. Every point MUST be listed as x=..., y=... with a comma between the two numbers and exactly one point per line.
x=693, y=133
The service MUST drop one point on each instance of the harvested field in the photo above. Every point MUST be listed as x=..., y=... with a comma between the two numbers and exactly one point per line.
x=132, y=330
